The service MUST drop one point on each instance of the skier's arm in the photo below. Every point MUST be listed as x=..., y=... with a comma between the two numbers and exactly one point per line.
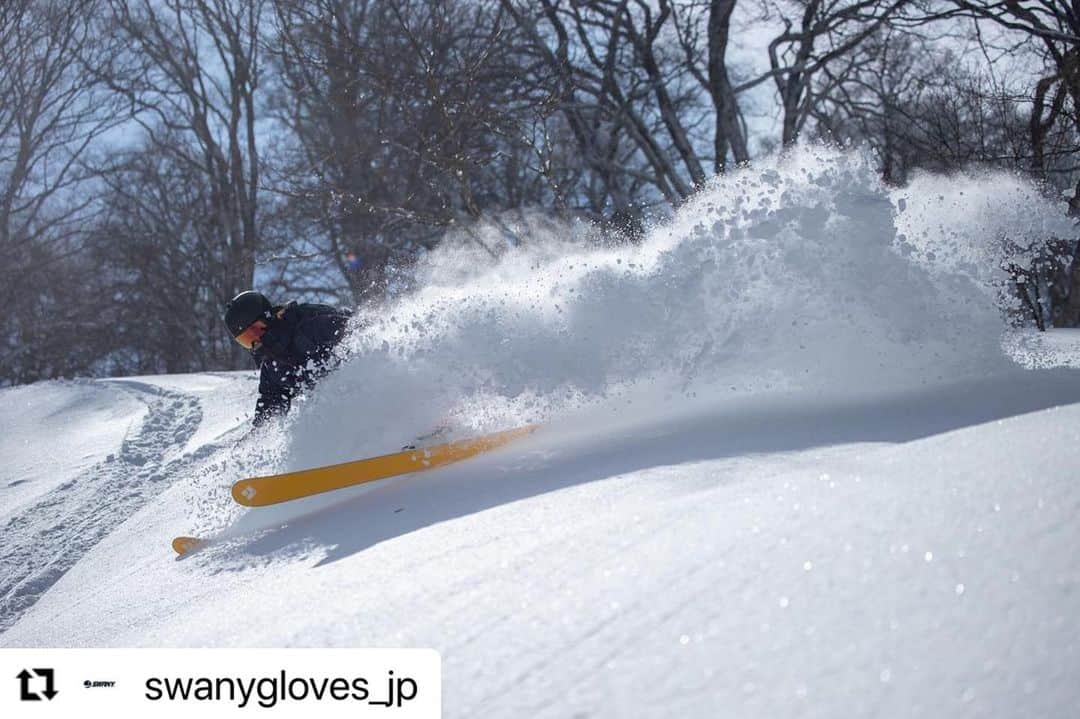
x=274, y=399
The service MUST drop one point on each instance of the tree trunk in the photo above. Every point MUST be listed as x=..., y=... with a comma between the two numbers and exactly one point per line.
x=729, y=132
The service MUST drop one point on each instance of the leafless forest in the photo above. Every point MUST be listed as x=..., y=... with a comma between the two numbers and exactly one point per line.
x=157, y=156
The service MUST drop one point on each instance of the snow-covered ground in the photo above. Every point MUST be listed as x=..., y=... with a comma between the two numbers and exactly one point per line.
x=768, y=484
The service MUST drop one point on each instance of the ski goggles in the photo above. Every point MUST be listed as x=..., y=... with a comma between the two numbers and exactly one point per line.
x=251, y=336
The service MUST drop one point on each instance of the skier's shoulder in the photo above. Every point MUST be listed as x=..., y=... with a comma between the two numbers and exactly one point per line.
x=309, y=310
x=319, y=323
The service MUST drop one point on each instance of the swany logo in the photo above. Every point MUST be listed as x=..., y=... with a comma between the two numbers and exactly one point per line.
x=93, y=685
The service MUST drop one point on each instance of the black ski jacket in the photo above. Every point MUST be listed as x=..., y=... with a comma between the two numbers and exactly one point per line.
x=296, y=350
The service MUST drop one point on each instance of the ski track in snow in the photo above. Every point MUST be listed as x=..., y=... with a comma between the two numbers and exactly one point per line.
x=45, y=539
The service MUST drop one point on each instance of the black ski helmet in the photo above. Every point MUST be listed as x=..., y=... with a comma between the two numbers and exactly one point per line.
x=244, y=309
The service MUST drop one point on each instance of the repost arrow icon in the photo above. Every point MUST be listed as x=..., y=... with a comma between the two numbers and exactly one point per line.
x=24, y=687
x=49, y=692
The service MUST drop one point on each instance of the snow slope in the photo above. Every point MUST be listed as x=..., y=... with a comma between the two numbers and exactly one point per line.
x=92, y=454
x=769, y=485
x=86, y=421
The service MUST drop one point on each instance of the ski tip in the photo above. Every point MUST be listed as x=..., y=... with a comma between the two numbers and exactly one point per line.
x=244, y=493
x=184, y=545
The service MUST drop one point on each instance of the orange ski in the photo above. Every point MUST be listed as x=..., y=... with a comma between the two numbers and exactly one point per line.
x=261, y=491
x=183, y=545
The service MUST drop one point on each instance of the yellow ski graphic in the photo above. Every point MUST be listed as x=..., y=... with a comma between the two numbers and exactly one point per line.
x=261, y=491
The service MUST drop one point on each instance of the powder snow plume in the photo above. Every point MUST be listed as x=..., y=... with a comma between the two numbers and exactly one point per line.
x=787, y=276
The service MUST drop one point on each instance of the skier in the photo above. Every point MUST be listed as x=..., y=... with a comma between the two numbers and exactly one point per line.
x=293, y=345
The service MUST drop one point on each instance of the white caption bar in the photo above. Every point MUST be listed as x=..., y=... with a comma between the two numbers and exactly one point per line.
x=277, y=683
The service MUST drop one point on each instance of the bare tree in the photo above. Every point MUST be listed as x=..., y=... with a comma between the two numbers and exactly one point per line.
x=821, y=33
x=921, y=107
x=406, y=122
x=633, y=72
x=157, y=244
x=51, y=110
x=870, y=91
x=1055, y=26
x=190, y=71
